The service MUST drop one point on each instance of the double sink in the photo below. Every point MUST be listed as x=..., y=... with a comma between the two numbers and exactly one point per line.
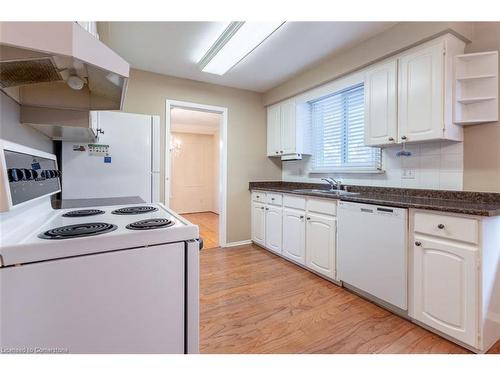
x=332, y=192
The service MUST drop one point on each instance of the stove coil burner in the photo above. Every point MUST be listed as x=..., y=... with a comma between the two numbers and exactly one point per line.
x=134, y=210
x=81, y=213
x=150, y=224
x=77, y=230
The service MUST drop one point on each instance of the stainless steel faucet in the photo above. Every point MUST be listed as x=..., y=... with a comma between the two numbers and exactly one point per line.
x=334, y=184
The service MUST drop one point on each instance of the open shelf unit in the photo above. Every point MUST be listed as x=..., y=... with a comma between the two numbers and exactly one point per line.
x=476, y=88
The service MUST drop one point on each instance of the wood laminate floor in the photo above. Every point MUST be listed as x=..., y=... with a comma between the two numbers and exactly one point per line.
x=208, y=222
x=255, y=302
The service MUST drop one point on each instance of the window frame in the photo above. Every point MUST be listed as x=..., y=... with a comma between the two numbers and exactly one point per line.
x=337, y=87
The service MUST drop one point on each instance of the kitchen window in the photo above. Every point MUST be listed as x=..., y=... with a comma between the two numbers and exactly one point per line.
x=338, y=134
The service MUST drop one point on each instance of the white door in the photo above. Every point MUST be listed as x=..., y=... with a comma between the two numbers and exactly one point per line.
x=274, y=130
x=421, y=94
x=381, y=123
x=258, y=224
x=445, y=288
x=320, y=244
x=288, y=133
x=273, y=228
x=294, y=235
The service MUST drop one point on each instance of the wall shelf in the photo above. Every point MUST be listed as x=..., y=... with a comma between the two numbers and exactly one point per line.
x=476, y=88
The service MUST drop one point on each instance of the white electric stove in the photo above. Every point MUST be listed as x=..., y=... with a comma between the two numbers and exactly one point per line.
x=114, y=279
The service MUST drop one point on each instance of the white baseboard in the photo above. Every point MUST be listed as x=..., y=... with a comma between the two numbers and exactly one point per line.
x=238, y=243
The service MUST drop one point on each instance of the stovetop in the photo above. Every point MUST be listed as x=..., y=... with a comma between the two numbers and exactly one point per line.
x=97, y=233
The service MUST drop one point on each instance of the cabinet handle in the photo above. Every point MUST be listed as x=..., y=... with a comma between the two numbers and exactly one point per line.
x=404, y=137
x=277, y=152
x=391, y=139
x=441, y=226
x=281, y=151
x=308, y=218
x=418, y=243
x=267, y=208
x=258, y=196
x=272, y=199
x=262, y=208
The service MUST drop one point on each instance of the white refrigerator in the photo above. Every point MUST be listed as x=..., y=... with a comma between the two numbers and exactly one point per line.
x=123, y=162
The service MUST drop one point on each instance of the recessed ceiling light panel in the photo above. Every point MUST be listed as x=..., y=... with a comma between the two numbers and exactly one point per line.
x=234, y=44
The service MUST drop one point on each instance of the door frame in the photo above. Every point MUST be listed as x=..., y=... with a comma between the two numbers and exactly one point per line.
x=170, y=104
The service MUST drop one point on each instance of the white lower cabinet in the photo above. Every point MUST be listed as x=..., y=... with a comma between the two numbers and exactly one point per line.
x=258, y=223
x=294, y=235
x=446, y=287
x=320, y=244
x=300, y=229
x=274, y=228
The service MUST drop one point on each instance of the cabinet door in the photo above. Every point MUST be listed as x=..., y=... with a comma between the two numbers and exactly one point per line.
x=320, y=244
x=274, y=130
x=258, y=224
x=288, y=128
x=273, y=229
x=445, y=288
x=421, y=94
x=294, y=235
x=381, y=126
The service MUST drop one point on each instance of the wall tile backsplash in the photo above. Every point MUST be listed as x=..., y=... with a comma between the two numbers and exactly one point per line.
x=435, y=165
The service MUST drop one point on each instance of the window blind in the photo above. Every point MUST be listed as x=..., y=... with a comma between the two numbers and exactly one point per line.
x=338, y=133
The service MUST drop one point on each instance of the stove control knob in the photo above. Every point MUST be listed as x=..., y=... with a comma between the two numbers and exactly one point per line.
x=34, y=172
x=15, y=174
x=52, y=174
x=28, y=174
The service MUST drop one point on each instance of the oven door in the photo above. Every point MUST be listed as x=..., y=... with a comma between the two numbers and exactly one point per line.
x=129, y=301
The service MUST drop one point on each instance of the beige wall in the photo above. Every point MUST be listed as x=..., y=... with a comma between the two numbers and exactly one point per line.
x=194, y=165
x=246, y=159
x=482, y=142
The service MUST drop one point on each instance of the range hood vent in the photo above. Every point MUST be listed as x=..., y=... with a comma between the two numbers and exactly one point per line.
x=27, y=72
x=60, y=65
x=291, y=157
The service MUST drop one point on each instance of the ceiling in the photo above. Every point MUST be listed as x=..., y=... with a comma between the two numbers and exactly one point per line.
x=174, y=48
x=189, y=121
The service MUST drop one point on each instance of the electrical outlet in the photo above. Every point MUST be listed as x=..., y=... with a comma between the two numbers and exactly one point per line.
x=408, y=174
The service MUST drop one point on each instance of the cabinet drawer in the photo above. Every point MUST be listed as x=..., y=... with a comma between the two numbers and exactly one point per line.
x=275, y=199
x=259, y=196
x=294, y=201
x=323, y=206
x=452, y=227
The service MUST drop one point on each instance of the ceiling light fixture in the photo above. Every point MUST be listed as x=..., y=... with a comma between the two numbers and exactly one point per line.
x=237, y=41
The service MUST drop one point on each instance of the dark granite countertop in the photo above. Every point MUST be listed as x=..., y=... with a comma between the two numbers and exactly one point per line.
x=470, y=203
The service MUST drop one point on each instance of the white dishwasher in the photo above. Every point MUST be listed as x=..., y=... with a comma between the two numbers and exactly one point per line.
x=372, y=250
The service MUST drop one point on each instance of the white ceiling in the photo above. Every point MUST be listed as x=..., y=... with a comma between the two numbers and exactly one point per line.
x=189, y=121
x=174, y=48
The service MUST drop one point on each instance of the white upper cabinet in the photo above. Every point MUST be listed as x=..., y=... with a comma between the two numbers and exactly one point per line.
x=381, y=125
x=288, y=127
x=274, y=130
x=409, y=97
x=421, y=78
x=286, y=132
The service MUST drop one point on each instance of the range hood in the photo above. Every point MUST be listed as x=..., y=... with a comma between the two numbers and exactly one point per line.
x=61, y=69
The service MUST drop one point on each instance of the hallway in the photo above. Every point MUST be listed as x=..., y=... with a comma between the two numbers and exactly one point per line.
x=208, y=222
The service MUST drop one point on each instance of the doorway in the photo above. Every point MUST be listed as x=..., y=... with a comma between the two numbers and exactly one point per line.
x=195, y=168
